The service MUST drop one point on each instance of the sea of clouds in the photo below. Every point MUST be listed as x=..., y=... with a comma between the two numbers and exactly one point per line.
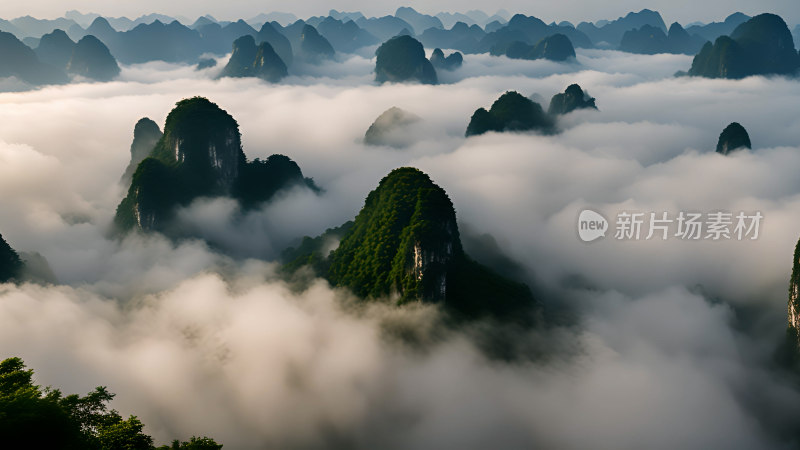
x=662, y=344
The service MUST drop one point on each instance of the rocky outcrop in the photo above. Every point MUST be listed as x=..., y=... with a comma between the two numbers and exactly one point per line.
x=405, y=245
x=733, y=137
x=511, y=112
x=91, y=59
x=571, y=99
x=392, y=128
x=199, y=155
x=146, y=135
x=794, y=304
x=452, y=62
x=402, y=59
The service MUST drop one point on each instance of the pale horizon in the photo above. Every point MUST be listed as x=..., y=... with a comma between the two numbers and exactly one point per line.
x=573, y=11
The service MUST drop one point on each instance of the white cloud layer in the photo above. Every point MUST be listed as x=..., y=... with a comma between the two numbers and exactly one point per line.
x=673, y=340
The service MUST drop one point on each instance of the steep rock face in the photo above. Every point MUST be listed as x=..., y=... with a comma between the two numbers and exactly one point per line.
x=55, y=49
x=510, y=112
x=268, y=65
x=452, y=62
x=201, y=136
x=91, y=59
x=242, y=58
x=199, y=155
x=10, y=264
x=761, y=46
x=402, y=241
x=402, y=59
x=146, y=135
x=405, y=245
x=391, y=128
x=314, y=47
x=249, y=60
x=794, y=302
x=733, y=137
x=571, y=99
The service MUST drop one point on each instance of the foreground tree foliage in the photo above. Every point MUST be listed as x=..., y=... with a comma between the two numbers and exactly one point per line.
x=33, y=417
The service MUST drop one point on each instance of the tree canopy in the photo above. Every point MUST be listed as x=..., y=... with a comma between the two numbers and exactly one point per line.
x=36, y=417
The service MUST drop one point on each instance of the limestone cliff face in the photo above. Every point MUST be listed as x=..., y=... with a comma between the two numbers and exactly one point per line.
x=571, y=99
x=403, y=242
x=794, y=298
x=146, y=135
x=405, y=245
x=199, y=155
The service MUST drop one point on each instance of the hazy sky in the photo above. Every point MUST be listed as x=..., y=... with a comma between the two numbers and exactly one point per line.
x=684, y=11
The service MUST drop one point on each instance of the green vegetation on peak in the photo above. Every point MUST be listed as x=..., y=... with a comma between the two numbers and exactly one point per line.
x=733, y=137
x=10, y=263
x=511, y=112
x=406, y=218
x=199, y=154
x=404, y=244
x=260, y=179
x=792, y=344
x=401, y=59
x=571, y=99
x=33, y=417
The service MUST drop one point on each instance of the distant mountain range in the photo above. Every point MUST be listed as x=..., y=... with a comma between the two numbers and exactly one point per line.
x=318, y=39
